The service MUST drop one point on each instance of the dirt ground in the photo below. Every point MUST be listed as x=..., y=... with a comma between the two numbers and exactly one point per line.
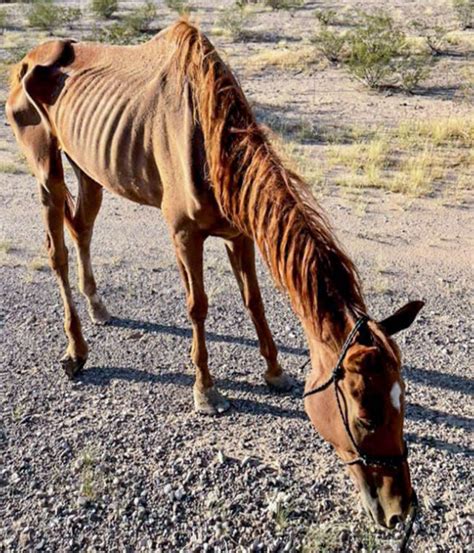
x=118, y=460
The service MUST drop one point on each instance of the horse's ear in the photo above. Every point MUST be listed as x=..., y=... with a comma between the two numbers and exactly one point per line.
x=402, y=318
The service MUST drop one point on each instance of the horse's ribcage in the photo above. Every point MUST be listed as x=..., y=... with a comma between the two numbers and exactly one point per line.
x=103, y=122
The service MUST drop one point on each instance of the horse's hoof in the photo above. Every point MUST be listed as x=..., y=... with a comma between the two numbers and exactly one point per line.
x=281, y=383
x=99, y=314
x=72, y=365
x=210, y=401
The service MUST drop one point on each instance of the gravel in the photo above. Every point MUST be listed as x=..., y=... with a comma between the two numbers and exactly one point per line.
x=117, y=460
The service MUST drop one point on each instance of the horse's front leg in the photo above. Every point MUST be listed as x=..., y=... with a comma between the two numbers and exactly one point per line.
x=189, y=252
x=241, y=252
x=53, y=199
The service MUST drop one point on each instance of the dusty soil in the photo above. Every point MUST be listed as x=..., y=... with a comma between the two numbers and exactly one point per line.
x=118, y=460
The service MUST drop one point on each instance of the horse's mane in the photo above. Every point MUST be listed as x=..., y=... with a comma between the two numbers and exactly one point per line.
x=257, y=193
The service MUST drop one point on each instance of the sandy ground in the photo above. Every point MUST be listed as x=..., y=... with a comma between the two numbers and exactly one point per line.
x=118, y=461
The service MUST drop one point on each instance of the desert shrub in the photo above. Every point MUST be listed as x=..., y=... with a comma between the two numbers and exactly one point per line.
x=233, y=20
x=3, y=20
x=104, y=8
x=435, y=37
x=67, y=16
x=329, y=43
x=140, y=19
x=283, y=4
x=411, y=70
x=465, y=11
x=44, y=15
x=180, y=6
x=325, y=17
x=118, y=33
x=128, y=31
x=373, y=47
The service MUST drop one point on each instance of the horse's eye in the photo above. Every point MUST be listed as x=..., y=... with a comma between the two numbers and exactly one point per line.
x=367, y=424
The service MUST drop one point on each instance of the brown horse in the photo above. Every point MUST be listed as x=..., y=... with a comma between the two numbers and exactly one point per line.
x=166, y=124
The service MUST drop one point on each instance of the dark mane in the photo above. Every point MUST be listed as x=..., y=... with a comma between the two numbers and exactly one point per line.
x=255, y=191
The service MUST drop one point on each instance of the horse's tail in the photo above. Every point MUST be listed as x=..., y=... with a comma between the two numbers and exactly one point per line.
x=69, y=210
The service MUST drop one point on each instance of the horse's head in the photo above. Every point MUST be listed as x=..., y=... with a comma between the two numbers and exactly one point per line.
x=361, y=410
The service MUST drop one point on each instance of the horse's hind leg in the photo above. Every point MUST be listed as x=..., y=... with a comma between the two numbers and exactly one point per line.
x=81, y=226
x=53, y=195
x=189, y=251
x=241, y=254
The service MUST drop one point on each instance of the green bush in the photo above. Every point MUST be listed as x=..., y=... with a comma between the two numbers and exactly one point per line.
x=180, y=6
x=329, y=43
x=411, y=70
x=325, y=17
x=373, y=47
x=119, y=33
x=3, y=20
x=435, y=37
x=140, y=19
x=379, y=55
x=132, y=29
x=284, y=4
x=44, y=15
x=68, y=16
x=233, y=20
x=465, y=11
x=104, y=8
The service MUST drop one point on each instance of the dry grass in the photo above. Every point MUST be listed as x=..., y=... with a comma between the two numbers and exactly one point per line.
x=298, y=158
x=416, y=158
x=366, y=161
x=326, y=538
x=411, y=158
x=454, y=131
x=285, y=58
x=5, y=247
x=6, y=146
x=38, y=264
x=462, y=40
x=359, y=155
x=12, y=168
x=417, y=173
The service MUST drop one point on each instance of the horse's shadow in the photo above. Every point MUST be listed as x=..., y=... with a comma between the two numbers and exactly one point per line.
x=438, y=379
x=159, y=328
x=103, y=376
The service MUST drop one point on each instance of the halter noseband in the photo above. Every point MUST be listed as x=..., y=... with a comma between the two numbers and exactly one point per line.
x=390, y=461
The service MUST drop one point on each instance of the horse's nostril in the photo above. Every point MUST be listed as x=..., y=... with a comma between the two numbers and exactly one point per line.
x=393, y=520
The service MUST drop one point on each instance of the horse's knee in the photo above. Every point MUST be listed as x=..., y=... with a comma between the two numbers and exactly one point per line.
x=57, y=255
x=253, y=303
x=197, y=308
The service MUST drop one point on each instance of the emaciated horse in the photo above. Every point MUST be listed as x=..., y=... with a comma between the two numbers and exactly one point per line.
x=166, y=124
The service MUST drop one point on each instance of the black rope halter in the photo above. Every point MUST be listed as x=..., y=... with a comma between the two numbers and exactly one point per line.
x=366, y=459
